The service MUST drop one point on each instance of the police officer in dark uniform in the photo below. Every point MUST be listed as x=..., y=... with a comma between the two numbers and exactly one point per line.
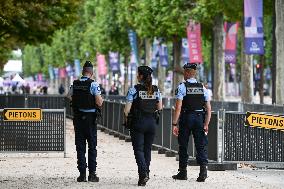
x=86, y=100
x=191, y=102
x=142, y=107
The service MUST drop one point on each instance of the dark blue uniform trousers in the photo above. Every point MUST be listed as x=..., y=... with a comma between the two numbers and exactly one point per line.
x=86, y=130
x=192, y=123
x=142, y=136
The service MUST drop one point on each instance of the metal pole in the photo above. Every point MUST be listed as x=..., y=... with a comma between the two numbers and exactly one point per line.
x=112, y=127
x=171, y=129
x=118, y=117
x=218, y=140
x=162, y=128
x=223, y=131
x=64, y=133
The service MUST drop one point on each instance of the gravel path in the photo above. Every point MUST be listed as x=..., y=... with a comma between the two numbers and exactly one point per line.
x=117, y=169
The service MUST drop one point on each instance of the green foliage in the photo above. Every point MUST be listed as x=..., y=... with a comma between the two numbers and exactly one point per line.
x=33, y=21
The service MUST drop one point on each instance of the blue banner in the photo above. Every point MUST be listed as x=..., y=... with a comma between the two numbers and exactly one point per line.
x=155, y=53
x=51, y=72
x=133, y=43
x=114, y=61
x=56, y=72
x=163, y=54
x=77, y=67
x=254, y=27
x=185, y=51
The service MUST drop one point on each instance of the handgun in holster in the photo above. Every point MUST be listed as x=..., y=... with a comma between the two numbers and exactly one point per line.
x=157, y=116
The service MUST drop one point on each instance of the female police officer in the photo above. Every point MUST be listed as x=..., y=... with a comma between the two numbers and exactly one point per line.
x=143, y=103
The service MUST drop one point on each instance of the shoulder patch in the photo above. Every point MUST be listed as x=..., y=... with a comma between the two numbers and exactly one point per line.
x=132, y=91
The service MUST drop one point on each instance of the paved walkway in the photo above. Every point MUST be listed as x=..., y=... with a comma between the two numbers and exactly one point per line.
x=117, y=169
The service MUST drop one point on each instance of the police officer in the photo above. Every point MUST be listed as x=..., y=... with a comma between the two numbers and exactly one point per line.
x=143, y=103
x=86, y=100
x=191, y=100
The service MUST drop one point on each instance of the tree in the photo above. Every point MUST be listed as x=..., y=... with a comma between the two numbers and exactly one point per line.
x=279, y=32
x=33, y=21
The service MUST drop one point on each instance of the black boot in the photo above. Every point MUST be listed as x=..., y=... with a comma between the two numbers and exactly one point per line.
x=93, y=177
x=82, y=177
x=182, y=175
x=202, y=174
x=143, y=180
x=148, y=175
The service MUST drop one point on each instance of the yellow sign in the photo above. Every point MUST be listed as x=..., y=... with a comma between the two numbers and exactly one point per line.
x=264, y=121
x=14, y=114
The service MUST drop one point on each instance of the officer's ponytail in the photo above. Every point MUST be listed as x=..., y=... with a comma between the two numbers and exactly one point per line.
x=148, y=84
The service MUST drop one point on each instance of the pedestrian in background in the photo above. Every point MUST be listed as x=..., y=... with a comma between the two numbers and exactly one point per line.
x=86, y=100
x=193, y=110
x=142, y=108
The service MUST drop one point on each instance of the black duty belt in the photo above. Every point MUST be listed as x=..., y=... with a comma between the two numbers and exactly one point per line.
x=192, y=111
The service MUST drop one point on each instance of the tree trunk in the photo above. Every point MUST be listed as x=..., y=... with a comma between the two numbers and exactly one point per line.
x=261, y=92
x=246, y=74
x=279, y=33
x=148, y=52
x=161, y=77
x=219, y=60
x=273, y=67
x=177, y=75
x=247, y=79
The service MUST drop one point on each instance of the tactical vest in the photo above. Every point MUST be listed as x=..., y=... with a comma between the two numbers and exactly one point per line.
x=144, y=103
x=82, y=97
x=194, y=99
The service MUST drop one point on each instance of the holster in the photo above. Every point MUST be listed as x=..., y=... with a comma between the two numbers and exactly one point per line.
x=157, y=116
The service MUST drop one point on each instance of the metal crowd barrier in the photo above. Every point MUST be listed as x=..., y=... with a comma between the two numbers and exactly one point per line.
x=243, y=143
x=32, y=101
x=47, y=135
x=113, y=119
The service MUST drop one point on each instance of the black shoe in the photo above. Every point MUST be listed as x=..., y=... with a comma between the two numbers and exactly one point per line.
x=148, y=176
x=93, y=177
x=202, y=174
x=182, y=175
x=143, y=180
x=82, y=178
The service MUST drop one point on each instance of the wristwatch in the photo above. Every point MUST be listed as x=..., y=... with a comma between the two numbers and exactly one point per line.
x=174, y=124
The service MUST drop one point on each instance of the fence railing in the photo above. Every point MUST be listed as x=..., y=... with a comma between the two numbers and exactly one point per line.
x=47, y=135
x=217, y=105
x=239, y=142
x=112, y=119
x=32, y=101
x=243, y=143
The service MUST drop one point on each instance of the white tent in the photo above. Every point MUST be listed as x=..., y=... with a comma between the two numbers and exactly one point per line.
x=18, y=78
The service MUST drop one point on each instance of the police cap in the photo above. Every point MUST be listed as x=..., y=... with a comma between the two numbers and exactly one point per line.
x=145, y=70
x=190, y=66
x=88, y=64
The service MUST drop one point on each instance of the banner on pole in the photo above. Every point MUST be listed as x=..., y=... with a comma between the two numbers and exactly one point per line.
x=56, y=72
x=62, y=73
x=114, y=61
x=155, y=53
x=102, y=69
x=51, y=72
x=253, y=27
x=194, y=42
x=185, y=51
x=231, y=30
x=163, y=55
x=133, y=43
x=77, y=67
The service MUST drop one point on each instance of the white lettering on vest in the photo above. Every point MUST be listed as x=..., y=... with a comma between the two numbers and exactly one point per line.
x=144, y=95
x=194, y=91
